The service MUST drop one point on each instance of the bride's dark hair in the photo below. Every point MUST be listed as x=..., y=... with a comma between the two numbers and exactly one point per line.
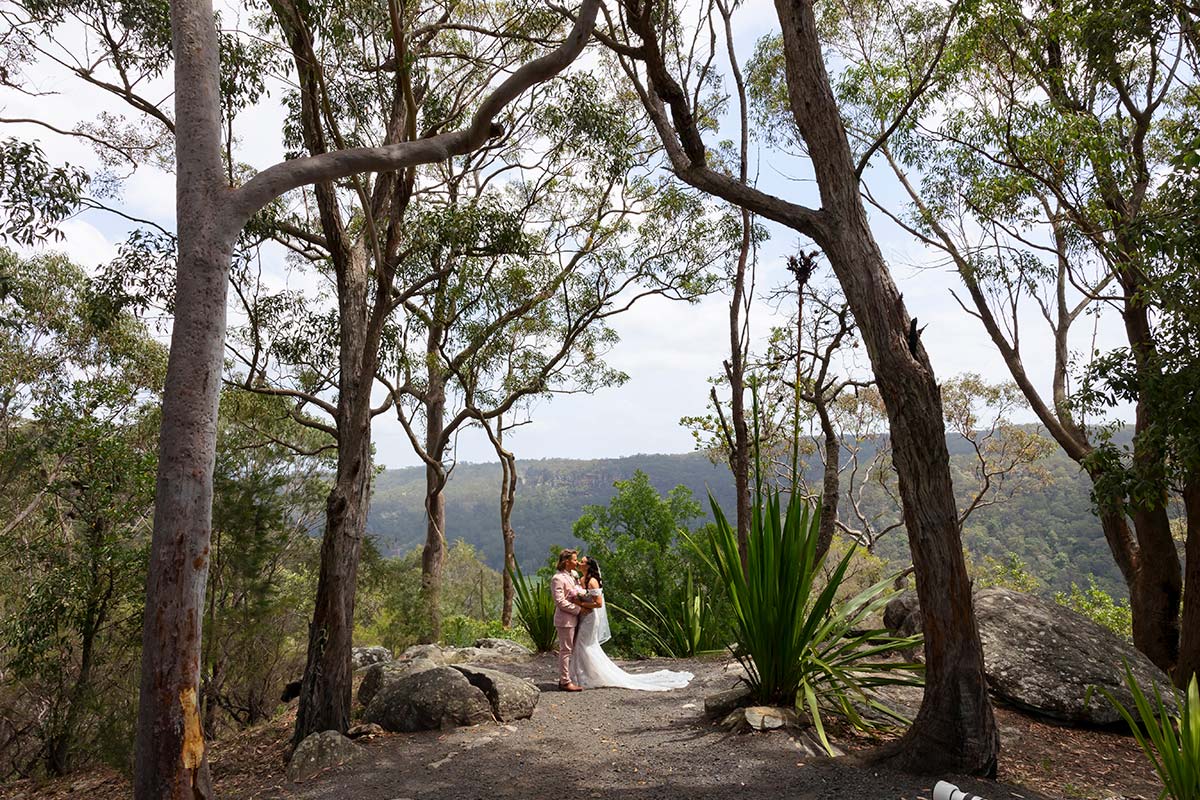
x=592, y=571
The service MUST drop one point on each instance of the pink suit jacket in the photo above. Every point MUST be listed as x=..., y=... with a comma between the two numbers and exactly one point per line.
x=566, y=612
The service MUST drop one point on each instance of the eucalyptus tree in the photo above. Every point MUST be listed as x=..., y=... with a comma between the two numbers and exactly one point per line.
x=1030, y=166
x=529, y=271
x=670, y=66
x=213, y=205
x=374, y=79
x=78, y=386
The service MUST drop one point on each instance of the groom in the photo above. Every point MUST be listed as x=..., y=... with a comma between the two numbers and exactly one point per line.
x=563, y=586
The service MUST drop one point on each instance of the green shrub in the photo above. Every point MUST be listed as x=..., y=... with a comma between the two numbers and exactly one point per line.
x=796, y=647
x=459, y=630
x=1171, y=743
x=534, y=607
x=684, y=629
x=1011, y=573
x=1099, y=606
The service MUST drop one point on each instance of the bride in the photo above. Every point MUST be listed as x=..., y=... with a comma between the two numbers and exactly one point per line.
x=590, y=667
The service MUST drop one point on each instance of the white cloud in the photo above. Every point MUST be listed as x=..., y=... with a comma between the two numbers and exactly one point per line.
x=82, y=243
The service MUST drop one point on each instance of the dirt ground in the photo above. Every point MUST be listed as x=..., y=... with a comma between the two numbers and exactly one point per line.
x=611, y=743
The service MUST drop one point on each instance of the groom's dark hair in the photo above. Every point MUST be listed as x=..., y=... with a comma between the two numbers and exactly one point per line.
x=563, y=555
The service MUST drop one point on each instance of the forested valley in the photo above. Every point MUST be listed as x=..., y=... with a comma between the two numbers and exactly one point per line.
x=1050, y=528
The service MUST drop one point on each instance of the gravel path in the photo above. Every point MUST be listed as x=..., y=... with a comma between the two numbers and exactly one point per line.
x=612, y=743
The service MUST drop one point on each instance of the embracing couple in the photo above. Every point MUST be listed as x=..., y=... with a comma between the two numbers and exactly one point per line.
x=582, y=624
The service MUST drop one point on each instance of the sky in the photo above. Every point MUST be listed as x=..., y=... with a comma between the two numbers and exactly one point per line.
x=668, y=349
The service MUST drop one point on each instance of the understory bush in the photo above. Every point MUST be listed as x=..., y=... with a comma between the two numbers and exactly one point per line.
x=1170, y=742
x=690, y=627
x=797, y=643
x=1100, y=607
x=534, y=607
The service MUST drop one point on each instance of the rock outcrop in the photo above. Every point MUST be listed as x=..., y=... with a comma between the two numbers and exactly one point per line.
x=319, y=752
x=485, y=651
x=1043, y=657
x=511, y=698
x=446, y=697
x=386, y=673
x=366, y=656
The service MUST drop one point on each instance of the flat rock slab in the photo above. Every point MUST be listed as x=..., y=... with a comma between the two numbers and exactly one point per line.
x=319, y=752
x=722, y=704
x=761, y=718
x=506, y=647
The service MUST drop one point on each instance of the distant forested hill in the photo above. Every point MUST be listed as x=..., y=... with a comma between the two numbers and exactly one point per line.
x=1052, y=529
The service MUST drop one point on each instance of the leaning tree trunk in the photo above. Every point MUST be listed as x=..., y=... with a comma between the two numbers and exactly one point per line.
x=1158, y=582
x=1189, y=639
x=735, y=371
x=508, y=496
x=435, y=498
x=170, y=755
x=1157, y=588
x=325, y=692
x=955, y=729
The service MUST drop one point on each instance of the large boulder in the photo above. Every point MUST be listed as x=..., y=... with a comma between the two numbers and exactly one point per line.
x=511, y=698
x=386, y=673
x=366, y=656
x=430, y=651
x=902, y=614
x=1042, y=657
x=319, y=752
x=485, y=651
x=431, y=699
x=504, y=649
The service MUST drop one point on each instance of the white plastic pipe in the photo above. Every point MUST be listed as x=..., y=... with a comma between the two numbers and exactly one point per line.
x=948, y=791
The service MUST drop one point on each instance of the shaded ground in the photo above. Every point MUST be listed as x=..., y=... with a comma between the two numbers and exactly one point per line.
x=610, y=743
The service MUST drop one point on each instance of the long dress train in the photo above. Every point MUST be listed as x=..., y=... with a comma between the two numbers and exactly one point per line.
x=592, y=668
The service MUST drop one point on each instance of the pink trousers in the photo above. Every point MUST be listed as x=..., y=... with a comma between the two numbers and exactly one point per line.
x=566, y=642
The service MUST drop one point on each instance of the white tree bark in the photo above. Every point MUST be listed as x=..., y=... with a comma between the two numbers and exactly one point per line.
x=170, y=756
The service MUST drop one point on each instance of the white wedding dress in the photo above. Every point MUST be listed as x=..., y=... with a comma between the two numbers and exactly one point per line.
x=592, y=669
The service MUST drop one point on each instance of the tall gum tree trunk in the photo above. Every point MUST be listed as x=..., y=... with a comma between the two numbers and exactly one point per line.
x=435, y=497
x=170, y=756
x=325, y=693
x=954, y=729
x=508, y=496
x=1157, y=588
